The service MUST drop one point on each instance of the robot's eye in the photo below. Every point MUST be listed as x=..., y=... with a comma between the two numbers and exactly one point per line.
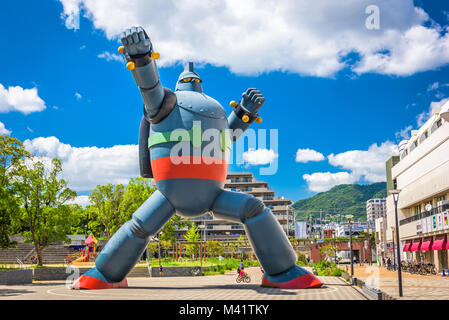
x=197, y=80
x=187, y=80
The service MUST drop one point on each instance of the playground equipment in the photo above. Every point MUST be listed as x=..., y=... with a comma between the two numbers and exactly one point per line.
x=184, y=144
x=90, y=250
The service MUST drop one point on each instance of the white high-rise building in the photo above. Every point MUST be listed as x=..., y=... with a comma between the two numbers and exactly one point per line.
x=422, y=175
x=375, y=208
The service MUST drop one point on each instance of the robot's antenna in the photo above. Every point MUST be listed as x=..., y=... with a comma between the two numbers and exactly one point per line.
x=189, y=67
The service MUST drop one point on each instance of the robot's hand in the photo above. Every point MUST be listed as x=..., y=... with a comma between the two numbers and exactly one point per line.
x=252, y=100
x=136, y=41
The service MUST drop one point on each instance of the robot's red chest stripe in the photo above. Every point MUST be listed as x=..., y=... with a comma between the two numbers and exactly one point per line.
x=189, y=167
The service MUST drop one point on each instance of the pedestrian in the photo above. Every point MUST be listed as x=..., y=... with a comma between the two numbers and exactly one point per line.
x=241, y=267
x=160, y=270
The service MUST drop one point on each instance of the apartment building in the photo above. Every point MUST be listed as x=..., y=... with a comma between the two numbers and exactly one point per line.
x=222, y=230
x=422, y=175
x=375, y=208
x=382, y=250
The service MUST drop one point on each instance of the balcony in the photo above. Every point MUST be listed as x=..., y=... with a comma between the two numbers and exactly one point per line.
x=425, y=214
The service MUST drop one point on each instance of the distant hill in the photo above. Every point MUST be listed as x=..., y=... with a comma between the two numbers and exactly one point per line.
x=342, y=199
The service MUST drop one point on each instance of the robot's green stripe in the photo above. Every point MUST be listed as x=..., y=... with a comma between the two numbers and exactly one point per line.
x=194, y=135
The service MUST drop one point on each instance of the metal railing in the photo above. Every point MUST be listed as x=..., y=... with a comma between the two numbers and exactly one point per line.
x=425, y=214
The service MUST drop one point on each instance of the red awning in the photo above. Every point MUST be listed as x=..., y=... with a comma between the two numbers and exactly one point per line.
x=440, y=242
x=407, y=246
x=415, y=245
x=426, y=244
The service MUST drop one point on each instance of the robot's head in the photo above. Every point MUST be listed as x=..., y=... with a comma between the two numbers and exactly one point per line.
x=189, y=80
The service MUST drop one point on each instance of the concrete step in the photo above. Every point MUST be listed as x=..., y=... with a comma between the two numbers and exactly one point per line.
x=52, y=254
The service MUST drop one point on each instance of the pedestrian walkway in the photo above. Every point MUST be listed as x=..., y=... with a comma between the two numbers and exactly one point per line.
x=414, y=287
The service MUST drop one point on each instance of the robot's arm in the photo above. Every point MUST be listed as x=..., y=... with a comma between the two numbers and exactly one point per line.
x=245, y=112
x=141, y=60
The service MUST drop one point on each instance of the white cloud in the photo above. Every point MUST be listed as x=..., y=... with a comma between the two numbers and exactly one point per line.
x=86, y=167
x=81, y=200
x=111, y=57
x=78, y=96
x=367, y=164
x=3, y=130
x=433, y=86
x=19, y=99
x=323, y=181
x=404, y=133
x=251, y=37
x=426, y=115
x=306, y=155
x=259, y=156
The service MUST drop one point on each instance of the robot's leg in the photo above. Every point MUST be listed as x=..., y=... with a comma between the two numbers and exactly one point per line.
x=271, y=245
x=123, y=250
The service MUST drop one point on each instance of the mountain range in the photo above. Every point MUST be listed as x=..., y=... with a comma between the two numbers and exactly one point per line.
x=343, y=199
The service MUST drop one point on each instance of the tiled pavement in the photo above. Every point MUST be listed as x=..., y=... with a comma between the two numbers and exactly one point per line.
x=220, y=287
x=414, y=287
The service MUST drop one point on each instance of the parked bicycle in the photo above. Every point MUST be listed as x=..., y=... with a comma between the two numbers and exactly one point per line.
x=419, y=268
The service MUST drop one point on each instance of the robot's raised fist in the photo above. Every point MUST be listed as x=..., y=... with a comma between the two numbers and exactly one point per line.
x=252, y=100
x=136, y=41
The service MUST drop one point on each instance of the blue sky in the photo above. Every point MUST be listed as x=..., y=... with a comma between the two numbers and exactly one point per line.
x=91, y=106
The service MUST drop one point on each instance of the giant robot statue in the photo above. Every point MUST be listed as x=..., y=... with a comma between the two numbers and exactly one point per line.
x=189, y=171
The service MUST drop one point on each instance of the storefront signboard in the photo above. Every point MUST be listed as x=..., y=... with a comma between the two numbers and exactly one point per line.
x=419, y=229
x=434, y=223
x=429, y=224
x=440, y=221
x=445, y=220
x=424, y=225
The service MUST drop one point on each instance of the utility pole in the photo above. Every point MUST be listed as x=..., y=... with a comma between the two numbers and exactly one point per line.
x=321, y=226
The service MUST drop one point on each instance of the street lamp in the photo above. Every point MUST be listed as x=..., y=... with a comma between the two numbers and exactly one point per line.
x=395, y=194
x=392, y=242
x=334, y=232
x=349, y=217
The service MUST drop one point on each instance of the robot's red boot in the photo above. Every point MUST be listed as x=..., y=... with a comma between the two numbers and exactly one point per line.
x=94, y=280
x=295, y=278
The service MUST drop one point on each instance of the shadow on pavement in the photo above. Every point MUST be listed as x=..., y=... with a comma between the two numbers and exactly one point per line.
x=13, y=292
x=255, y=287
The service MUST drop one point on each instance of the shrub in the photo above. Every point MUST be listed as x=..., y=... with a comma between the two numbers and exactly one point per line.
x=326, y=268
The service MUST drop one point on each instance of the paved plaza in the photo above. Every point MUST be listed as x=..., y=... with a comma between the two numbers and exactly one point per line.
x=218, y=287
x=414, y=287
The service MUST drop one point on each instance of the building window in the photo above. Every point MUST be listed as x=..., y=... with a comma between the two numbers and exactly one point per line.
x=417, y=209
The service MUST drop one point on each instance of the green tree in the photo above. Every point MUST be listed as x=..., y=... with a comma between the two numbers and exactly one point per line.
x=192, y=235
x=12, y=152
x=166, y=245
x=136, y=193
x=153, y=248
x=168, y=231
x=240, y=243
x=232, y=246
x=43, y=197
x=329, y=251
x=106, y=201
x=213, y=248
